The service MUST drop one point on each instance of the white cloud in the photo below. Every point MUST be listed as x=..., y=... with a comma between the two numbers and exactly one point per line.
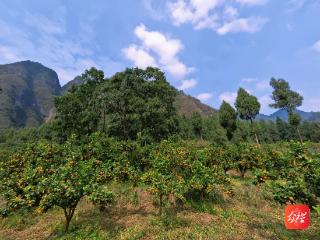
x=316, y=46
x=248, y=80
x=229, y=97
x=219, y=15
x=312, y=104
x=187, y=84
x=210, y=22
x=140, y=57
x=204, y=96
x=250, y=25
x=251, y=2
x=193, y=11
x=51, y=47
x=44, y=24
x=157, y=49
x=154, y=12
x=230, y=12
x=265, y=100
x=256, y=84
x=8, y=54
x=262, y=85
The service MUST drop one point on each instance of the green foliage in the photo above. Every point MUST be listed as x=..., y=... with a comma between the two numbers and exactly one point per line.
x=246, y=156
x=102, y=198
x=294, y=119
x=197, y=124
x=213, y=132
x=291, y=172
x=140, y=101
x=46, y=175
x=283, y=96
x=247, y=105
x=131, y=103
x=181, y=170
x=78, y=111
x=228, y=118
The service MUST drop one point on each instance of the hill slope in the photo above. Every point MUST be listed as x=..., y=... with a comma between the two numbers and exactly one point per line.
x=28, y=92
x=186, y=105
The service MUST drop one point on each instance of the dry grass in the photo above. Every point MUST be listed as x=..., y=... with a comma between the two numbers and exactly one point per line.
x=246, y=215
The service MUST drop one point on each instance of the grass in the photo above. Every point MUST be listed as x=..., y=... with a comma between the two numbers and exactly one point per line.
x=248, y=214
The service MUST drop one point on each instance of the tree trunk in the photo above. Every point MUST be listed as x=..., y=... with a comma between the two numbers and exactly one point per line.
x=67, y=224
x=68, y=213
x=160, y=203
x=242, y=173
x=299, y=134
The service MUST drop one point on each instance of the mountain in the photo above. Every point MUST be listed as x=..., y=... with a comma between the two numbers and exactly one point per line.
x=76, y=81
x=186, y=105
x=282, y=114
x=28, y=92
x=29, y=89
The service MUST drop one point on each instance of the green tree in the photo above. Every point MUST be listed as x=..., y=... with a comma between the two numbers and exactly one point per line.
x=46, y=175
x=228, y=118
x=295, y=121
x=248, y=107
x=213, y=131
x=186, y=130
x=246, y=157
x=197, y=124
x=285, y=98
x=164, y=177
x=140, y=102
x=78, y=111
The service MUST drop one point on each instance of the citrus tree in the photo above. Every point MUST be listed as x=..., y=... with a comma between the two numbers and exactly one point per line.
x=246, y=157
x=47, y=175
x=296, y=178
x=164, y=177
x=181, y=170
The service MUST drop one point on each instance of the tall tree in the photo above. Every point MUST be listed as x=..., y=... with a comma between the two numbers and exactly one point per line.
x=197, y=124
x=294, y=120
x=140, y=102
x=288, y=100
x=248, y=107
x=228, y=118
x=78, y=111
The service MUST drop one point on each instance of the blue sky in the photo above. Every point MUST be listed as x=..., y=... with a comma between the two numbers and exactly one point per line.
x=208, y=48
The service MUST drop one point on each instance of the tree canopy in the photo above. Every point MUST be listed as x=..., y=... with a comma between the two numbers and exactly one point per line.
x=130, y=104
x=247, y=105
x=283, y=96
x=228, y=118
